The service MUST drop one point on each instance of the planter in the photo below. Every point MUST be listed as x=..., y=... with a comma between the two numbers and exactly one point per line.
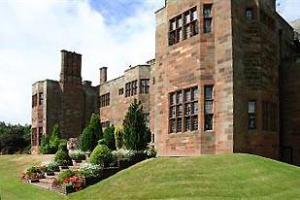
x=33, y=180
x=50, y=173
x=63, y=167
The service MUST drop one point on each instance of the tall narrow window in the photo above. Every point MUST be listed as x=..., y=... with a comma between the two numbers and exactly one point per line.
x=183, y=111
x=41, y=98
x=34, y=100
x=208, y=107
x=252, y=115
x=207, y=13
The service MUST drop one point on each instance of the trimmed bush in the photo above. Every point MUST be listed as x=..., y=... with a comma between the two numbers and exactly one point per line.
x=101, y=155
x=91, y=170
x=150, y=152
x=62, y=158
x=77, y=155
x=109, y=137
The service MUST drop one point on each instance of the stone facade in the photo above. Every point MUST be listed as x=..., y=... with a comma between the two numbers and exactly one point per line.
x=225, y=79
x=241, y=57
x=121, y=92
x=67, y=102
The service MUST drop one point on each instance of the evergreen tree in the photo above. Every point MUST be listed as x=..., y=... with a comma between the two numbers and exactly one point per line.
x=136, y=133
x=91, y=134
x=109, y=137
x=119, y=138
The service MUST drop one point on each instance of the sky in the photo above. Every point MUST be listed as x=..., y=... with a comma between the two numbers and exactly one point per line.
x=112, y=33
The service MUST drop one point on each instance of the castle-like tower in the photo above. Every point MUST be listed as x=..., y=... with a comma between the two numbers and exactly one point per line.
x=68, y=102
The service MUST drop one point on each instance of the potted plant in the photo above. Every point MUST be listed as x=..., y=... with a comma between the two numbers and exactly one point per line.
x=77, y=156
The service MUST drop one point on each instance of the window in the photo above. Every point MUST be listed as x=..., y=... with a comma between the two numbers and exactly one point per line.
x=249, y=14
x=105, y=124
x=183, y=26
x=269, y=116
x=40, y=134
x=252, y=115
x=183, y=110
x=41, y=98
x=144, y=86
x=34, y=100
x=34, y=137
x=208, y=107
x=104, y=100
x=121, y=91
x=207, y=13
x=131, y=88
x=147, y=119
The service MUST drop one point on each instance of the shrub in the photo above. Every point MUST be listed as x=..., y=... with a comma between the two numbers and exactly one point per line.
x=91, y=134
x=109, y=137
x=121, y=154
x=64, y=175
x=77, y=155
x=101, y=155
x=53, y=167
x=136, y=133
x=119, y=138
x=91, y=170
x=50, y=143
x=150, y=152
x=136, y=156
x=62, y=158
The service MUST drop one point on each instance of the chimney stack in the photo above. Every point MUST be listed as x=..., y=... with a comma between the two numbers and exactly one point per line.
x=103, y=75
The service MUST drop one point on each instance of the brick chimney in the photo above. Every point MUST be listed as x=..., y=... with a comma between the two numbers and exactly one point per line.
x=103, y=75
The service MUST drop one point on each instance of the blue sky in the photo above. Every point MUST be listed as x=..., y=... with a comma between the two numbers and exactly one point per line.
x=112, y=33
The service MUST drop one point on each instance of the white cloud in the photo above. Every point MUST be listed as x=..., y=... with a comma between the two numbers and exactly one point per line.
x=32, y=33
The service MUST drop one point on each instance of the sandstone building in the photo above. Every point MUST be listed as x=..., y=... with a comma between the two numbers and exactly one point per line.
x=225, y=80
x=68, y=102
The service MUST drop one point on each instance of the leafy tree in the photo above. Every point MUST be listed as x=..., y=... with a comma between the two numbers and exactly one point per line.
x=136, y=133
x=14, y=138
x=91, y=134
x=109, y=137
x=119, y=138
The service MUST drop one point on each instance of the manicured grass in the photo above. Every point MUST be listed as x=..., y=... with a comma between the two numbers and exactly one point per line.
x=234, y=176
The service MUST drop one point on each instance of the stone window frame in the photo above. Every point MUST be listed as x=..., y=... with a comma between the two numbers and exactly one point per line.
x=144, y=86
x=183, y=26
x=105, y=100
x=183, y=111
x=207, y=18
x=252, y=114
x=209, y=107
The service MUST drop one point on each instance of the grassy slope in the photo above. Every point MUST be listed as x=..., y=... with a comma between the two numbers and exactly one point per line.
x=210, y=177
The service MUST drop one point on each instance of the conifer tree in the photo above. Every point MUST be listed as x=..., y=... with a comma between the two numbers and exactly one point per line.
x=136, y=133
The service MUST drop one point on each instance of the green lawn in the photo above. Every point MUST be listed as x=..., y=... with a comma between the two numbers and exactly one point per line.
x=235, y=176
